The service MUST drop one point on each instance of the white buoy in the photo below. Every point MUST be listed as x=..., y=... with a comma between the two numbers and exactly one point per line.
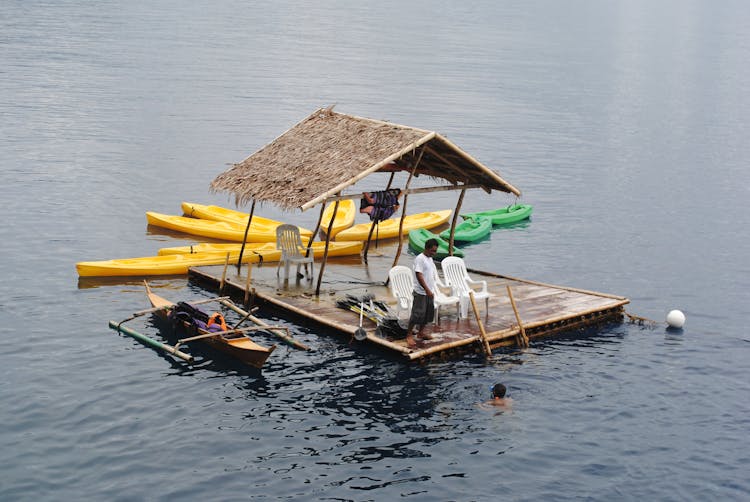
x=675, y=319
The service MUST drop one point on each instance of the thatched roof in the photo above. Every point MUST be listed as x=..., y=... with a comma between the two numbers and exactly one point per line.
x=328, y=151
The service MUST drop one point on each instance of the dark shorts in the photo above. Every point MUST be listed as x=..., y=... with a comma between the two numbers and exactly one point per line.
x=422, y=310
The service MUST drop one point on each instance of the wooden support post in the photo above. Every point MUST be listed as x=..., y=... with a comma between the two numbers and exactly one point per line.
x=247, y=282
x=482, y=333
x=244, y=239
x=317, y=227
x=372, y=227
x=403, y=213
x=455, y=218
x=523, y=340
x=224, y=274
x=325, y=251
x=369, y=238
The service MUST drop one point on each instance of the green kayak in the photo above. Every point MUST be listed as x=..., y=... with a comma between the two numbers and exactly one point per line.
x=470, y=230
x=418, y=237
x=504, y=215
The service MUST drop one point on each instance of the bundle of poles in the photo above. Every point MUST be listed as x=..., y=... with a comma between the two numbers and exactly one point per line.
x=377, y=311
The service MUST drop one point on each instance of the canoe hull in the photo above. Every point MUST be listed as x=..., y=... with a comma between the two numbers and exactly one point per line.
x=243, y=349
x=177, y=260
x=470, y=230
x=504, y=215
x=389, y=228
x=345, y=248
x=344, y=217
x=223, y=230
x=418, y=237
x=176, y=264
x=218, y=213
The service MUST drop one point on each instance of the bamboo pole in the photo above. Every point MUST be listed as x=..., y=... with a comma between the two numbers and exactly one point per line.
x=317, y=227
x=523, y=340
x=440, y=188
x=244, y=239
x=403, y=213
x=453, y=222
x=325, y=251
x=224, y=275
x=151, y=342
x=226, y=332
x=287, y=338
x=482, y=333
x=251, y=311
x=247, y=282
x=372, y=227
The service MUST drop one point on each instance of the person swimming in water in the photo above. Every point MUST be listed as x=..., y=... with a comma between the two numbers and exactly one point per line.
x=500, y=397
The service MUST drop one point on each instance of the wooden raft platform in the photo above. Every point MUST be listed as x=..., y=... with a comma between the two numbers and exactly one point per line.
x=544, y=309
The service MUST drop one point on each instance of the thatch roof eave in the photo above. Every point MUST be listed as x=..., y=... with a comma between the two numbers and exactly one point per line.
x=328, y=152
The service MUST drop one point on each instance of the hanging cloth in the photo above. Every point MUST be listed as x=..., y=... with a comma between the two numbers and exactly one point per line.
x=384, y=203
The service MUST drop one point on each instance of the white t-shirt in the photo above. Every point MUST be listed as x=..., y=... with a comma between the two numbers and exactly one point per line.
x=425, y=266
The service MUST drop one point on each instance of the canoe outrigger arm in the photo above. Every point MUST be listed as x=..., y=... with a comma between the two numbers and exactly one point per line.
x=240, y=331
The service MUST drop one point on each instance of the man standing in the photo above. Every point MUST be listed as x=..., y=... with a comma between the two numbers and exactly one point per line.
x=423, y=306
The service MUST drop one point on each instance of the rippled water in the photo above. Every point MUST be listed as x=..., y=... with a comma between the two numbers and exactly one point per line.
x=625, y=124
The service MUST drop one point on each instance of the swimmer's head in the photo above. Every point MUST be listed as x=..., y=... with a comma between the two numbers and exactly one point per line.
x=498, y=390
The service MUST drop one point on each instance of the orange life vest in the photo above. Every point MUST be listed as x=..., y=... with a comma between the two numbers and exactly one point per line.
x=217, y=318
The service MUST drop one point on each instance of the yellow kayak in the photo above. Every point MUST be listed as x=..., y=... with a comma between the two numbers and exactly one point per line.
x=334, y=249
x=389, y=228
x=173, y=262
x=344, y=216
x=218, y=213
x=223, y=230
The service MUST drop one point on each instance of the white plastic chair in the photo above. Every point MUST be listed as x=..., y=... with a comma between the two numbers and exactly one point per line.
x=288, y=240
x=442, y=299
x=461, y=284
x=401, y=282
x=402, y=287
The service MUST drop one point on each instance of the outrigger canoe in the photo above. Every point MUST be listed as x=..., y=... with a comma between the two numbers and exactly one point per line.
x=223, y=230
x=344, y=216
x=389, y=228
x=345, y=248
x=231, y=342
x=419, y=236
x=469, y=230
x=177, y=260
x=218, y=213
x=504, y=215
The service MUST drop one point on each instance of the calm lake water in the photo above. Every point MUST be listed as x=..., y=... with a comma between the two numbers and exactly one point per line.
x=624, y=123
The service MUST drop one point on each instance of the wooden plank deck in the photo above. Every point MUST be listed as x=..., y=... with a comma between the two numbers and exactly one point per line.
x=544, y=309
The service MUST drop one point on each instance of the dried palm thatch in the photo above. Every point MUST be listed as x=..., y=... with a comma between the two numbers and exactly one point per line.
x=328, y=151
